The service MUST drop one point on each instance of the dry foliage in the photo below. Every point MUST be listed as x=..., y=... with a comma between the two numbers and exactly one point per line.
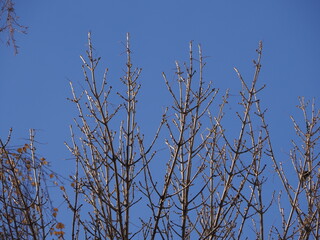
x=26, y=211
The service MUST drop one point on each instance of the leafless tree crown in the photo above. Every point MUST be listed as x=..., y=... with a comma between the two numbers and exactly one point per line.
x=213, y=180
x=210, y=182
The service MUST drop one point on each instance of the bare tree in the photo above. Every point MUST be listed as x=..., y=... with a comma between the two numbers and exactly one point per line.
x=107, y=162
x=214, y=175
x=300, y=205
x=9, y=23
x=212, y=185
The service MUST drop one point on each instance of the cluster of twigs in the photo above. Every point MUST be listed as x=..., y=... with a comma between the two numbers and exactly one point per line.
x=9, y=23
x=213, y=181
x=299, y=206
x=212, y=184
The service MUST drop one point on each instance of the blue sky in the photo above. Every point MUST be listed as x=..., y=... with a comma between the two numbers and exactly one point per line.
x=34, y=84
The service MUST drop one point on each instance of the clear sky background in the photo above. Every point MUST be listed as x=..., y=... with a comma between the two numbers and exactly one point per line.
x=34, y=84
